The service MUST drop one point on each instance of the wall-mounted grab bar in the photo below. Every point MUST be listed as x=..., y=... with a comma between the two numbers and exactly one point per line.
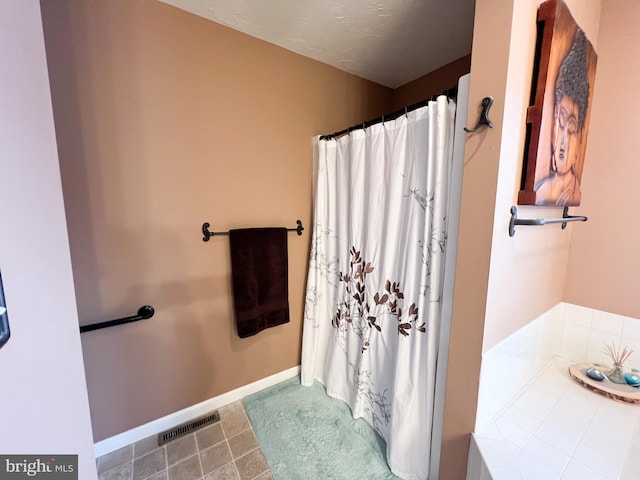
x=207, y=234
x=542, y=221
x=144, y=313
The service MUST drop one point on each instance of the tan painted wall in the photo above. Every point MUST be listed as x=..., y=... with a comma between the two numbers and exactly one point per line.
x=502, y=283
x=152, y=109
x=605, y=258
x=430, y=84
x=164, y=121
x=488, y=77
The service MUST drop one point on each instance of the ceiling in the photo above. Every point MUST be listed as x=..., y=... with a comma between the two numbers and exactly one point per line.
x=390, y=42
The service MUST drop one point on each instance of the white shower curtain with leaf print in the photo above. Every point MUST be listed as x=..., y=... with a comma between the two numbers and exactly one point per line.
x=373, y=296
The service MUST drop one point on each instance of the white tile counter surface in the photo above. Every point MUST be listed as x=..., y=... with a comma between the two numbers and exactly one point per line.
x=554, y=429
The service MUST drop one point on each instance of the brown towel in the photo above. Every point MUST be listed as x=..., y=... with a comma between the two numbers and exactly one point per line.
x=259, y=271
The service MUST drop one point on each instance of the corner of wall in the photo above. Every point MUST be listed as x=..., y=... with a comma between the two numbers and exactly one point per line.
x=489, y=62
x=430, y=84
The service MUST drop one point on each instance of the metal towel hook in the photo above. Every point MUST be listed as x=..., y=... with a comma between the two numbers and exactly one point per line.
x=484, y=115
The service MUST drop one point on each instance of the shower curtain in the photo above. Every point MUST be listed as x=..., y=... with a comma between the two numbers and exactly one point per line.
x=374, y=288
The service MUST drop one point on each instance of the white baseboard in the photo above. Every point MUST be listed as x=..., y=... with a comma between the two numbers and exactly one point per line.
x=154, y=427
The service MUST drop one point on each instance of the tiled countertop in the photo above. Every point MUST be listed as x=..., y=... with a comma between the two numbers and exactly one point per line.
x=554, y=429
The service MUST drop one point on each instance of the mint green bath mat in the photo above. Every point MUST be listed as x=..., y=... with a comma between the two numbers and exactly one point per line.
x=307, y=435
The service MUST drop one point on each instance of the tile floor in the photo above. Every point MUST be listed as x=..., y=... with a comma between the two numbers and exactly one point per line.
x=226, y=450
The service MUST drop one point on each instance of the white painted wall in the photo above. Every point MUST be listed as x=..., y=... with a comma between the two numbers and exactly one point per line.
x=43, y=401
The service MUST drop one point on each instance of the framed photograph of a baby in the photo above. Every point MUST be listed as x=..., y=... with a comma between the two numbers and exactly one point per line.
x=558, y=121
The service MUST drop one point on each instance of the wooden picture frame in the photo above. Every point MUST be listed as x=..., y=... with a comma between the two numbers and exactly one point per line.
x=560, y=106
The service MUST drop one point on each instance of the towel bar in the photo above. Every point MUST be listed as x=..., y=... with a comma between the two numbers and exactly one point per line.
x=542, y=221
x=207, y=234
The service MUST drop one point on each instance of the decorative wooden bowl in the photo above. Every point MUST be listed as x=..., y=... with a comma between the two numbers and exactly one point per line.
x=615, y=391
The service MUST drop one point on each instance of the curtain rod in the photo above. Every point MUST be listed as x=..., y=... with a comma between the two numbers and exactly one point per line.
x=450, y=93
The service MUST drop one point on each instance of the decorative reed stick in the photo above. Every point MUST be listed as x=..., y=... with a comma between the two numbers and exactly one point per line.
x=618, y=357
